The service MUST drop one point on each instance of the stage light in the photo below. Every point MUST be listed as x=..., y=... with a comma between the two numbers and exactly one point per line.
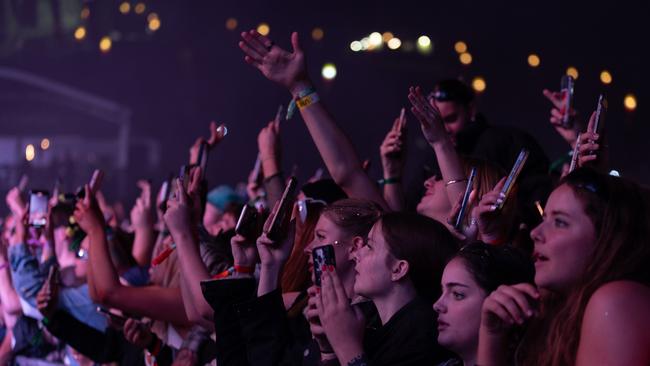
x=355, y=46
x=533, y=60
x=424, y=44
x=460, y=47
x=606, y=77
x=614, y=173
x=231, y=23
x=630, y=102
x=105, y=44
x=375, y=40
x=154, y=24
x=573, y=72
x=394, y=43
x=465, y=58
x=329, y=71
x=140, y=8
x=263, y=29
x=85, y=13
x=317, y=34
x=387, y=36
x=478, y=84
x=152, y=16
x=125, y=7
x=30, y=152
x=80, y=33
x=45, y=144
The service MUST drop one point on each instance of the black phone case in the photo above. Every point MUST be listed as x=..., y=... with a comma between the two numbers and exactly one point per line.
x=249, y=223
x=278, y=226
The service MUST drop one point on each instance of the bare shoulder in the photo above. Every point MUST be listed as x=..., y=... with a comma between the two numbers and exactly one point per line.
x=614, y=326
x=619, y=299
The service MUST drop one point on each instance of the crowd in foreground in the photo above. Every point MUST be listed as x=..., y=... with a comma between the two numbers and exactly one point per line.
x=505, y=259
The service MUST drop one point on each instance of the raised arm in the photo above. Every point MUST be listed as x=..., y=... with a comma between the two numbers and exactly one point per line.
x=142, y=221
x=393, y=159
x=152, y=301
x=434, y=132
x=288, y=69
x=182, y=224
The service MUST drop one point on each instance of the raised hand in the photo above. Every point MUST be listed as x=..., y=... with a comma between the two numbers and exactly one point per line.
x=268, y=142
x=285, y=68
x=466, y=233
x=393, y=149
x=315, y=327
x=217, y=133
x=137, y=333
x=343, y=324
x=275, y=254
x=141, y=216
x=47, y=297
x=178, y=216
x=509, y=306
x=87, y=213
x=489, y=219
x=557, y=115
x=428, y=115
x=244, y=252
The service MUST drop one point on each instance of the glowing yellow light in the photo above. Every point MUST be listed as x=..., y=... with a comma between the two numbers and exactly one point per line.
x=80, y=33
x=387, y=36
x=317, y=34
x=424, y=41
x=365, y=43
x=479, y=84
x=533, y=60
x=125, y=7
x=329, y=71
x=45, y=144
x=154, y=24
x=85, y=13
x=465, y=58
x=606, y=77
x=231, y=23
x=356, y=46
x=30, y=152
x=630, y=102
x=263, y=29
x=573, y=72
x=460, y=47
x=394, y=43
x=375, y=39
x=152, y=16
x=105, y=44
x=140, y=8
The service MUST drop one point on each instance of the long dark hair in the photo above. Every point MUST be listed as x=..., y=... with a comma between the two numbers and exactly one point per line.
x=424, y=243
x=620, y=212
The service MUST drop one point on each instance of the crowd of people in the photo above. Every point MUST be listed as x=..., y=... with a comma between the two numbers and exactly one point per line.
x=506, y=259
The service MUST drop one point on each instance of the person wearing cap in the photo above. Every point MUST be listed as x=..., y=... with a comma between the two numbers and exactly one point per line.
x=221, y=212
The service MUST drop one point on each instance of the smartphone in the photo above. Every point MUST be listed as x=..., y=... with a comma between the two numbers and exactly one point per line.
x=184, y=176
x=279, y=222
x=94, y=184
x=567, y=84
x=465, y=201
x=248, y=224
x=322, y=256
x=601, y=109
x=512, y=177
x=115, y=318
x=202, y=160
x=165, y=192
x=575, y=155
x=51, y=277
x=38, y=200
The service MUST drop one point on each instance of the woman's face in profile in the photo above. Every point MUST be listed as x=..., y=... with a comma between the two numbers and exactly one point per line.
x=459, y=308
x=563, y=241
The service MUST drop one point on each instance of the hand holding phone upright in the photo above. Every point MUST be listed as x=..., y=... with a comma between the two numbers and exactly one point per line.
x=275, y=252
x=38, y=208
x=276, y=225
x=47, y=297
x=87, y=213
x=558, y=113
x=392, y=149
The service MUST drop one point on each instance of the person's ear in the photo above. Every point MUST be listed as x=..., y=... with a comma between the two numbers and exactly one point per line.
x=399, y=270
x=357, y=243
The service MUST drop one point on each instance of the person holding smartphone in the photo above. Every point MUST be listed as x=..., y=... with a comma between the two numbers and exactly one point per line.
x=589, y=302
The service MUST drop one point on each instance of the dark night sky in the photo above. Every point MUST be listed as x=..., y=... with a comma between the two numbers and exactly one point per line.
x=192, y=72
